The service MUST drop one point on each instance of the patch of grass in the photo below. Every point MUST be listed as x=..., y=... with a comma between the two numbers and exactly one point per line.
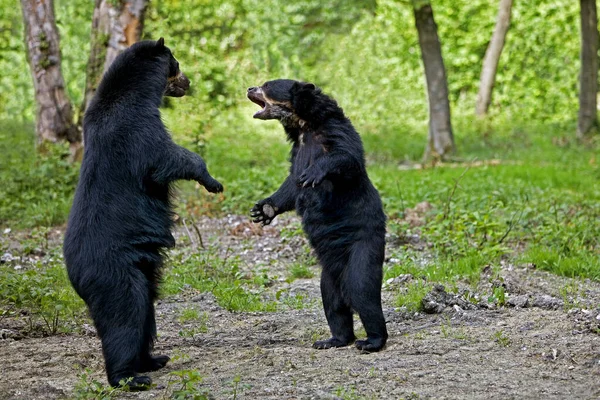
x=567, y=259
x=37, y=189
x=296, y=302
x=498, y=296
x=411, y=297
x=533, y=204
x=42, y=294
x=200, y=322
x=183, y=385
x=502, y=338
x=299, y=271
x=206, y=272
x=188, y=314
x=349, y=393
x=237, y=386
x=570, y=294
x=88, y=388
x=448, y=331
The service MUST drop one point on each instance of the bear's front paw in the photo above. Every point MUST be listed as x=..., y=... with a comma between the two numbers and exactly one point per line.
x=311, y=177
x=264, y=212
x=213, y=186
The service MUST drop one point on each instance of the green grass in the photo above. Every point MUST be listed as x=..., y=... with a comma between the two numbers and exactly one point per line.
x=35, y=190
x=410, y=297
x=42, y=295
x=299, y=270
x=205, y=272
x=538, y=204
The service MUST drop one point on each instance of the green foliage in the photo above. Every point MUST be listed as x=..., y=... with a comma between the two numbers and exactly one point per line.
x=88, y=388
x=36, y=190
x=299, y=271
x=204, y=271
x=498, y=296
x=412, y=295
x=43, y=295
x=502, y=338
x=199, y=322
x=184, y=384
x=527, y=193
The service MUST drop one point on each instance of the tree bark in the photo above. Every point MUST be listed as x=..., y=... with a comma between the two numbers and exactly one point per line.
x=54, y=117
x=116, y=25
x=441, y=139
x=492, y=57
x=588, y=79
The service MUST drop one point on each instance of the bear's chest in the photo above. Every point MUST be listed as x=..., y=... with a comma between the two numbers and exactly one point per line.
x=310, y=148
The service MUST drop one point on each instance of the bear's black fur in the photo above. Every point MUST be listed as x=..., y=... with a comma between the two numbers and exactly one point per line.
x=121, y=217
x=341, y=211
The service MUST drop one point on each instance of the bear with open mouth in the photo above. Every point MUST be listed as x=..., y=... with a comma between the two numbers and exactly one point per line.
x=341, y=210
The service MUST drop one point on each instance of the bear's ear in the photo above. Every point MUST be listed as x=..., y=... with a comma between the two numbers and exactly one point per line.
x=304, y=87
x=160, y=42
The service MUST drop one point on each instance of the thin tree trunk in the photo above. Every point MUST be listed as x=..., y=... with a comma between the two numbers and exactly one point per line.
x=588, y=80
x=492, y=57
x=54, y=118
x=441, y=140
x=116, y=25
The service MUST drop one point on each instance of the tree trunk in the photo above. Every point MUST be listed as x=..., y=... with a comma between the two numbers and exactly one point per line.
x=492, y=57
x=54, y=111
x=441, y=140
x=116, y=25
x=588, y=79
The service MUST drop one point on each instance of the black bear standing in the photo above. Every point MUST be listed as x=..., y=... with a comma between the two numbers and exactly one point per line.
x=121, y=217
x=341, y=211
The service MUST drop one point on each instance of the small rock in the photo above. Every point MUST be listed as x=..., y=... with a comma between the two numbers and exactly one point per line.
x=438, y=299
x=6, y=257
x=7, y=231
x=399, y=279
x=547, y=302
x=518, y=301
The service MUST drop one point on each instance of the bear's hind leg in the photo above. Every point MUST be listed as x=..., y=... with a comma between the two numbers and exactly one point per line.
x=148, y=362
x=337, y=311
x=363, y=288
x=119, y=314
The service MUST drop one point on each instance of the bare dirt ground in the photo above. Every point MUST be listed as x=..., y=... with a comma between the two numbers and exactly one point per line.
x=536, y=347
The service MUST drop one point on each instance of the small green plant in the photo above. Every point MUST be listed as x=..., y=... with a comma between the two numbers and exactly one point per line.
x=296, y=302
x=200, y=322
x=570, y=293
x=88, y=388
x=411, y=297
x=502, y=339
x=348, y=393
x=46, y=296
x=183, y=385
x=299, y=271
x=238, y=386
x=498, y=296
x=189, y=314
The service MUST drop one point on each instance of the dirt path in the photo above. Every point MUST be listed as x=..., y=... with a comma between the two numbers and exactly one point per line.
x=544, y=350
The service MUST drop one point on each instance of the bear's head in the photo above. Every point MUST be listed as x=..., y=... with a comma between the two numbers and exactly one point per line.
x=141, y=62
x=177, y=82
x=286, y=100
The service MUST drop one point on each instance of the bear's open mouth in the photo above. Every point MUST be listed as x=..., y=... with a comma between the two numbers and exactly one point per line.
x=257, y=97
